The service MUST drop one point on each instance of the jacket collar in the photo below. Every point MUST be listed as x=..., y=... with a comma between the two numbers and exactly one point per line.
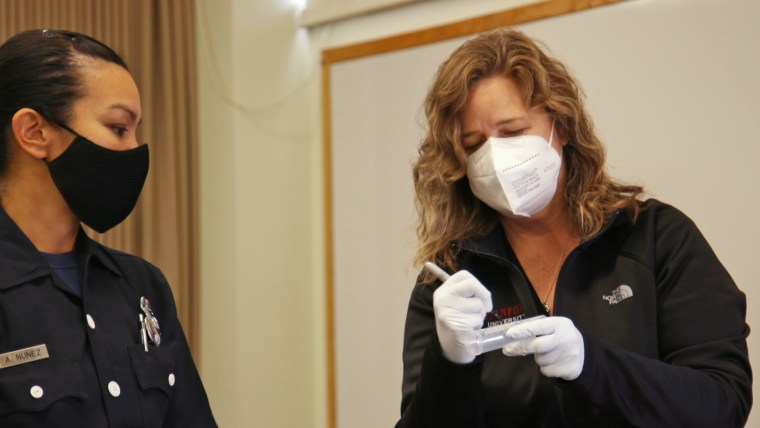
x=20, y=262
x=495, y=244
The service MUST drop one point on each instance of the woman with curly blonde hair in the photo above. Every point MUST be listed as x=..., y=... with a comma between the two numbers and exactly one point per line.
x=611, y=291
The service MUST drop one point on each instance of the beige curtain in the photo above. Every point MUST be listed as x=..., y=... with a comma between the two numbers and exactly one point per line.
x=155, y=38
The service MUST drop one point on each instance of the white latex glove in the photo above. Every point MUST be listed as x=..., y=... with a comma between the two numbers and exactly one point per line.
x=555, y=342
x=460, y=305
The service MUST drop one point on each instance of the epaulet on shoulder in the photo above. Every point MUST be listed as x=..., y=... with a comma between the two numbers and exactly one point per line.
x=122, y=258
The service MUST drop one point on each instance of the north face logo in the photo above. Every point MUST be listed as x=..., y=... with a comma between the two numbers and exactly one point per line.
x=618, y=295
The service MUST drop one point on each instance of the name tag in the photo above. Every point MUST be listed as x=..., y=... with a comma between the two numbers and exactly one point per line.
x=22, y=356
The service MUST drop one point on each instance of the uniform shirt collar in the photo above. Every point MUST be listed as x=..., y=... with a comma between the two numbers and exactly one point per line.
x=87, y=247
x=20, y=262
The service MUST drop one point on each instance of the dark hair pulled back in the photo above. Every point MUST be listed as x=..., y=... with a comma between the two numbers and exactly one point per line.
x=39, y=70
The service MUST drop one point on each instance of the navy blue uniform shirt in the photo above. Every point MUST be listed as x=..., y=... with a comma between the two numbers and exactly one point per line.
x=97, y=373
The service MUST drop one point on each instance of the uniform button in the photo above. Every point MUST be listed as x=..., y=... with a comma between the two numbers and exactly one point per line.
x=90, y=322
x=36, y=391
x=171, y=379
x=114, y=388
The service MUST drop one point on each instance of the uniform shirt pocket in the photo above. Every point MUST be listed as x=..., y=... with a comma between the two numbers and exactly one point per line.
x=155, y=369
x=33, y=387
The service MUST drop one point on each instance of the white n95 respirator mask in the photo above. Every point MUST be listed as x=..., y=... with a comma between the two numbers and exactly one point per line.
x=515, y=175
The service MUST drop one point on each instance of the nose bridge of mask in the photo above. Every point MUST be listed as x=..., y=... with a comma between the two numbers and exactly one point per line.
x=514, y=151
x=498, y=152
x=486, y=159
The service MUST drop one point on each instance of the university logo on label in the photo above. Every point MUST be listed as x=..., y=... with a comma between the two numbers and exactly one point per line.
x=618, y=295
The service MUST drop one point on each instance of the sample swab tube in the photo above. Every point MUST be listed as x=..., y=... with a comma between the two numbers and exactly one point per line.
x=491, y=338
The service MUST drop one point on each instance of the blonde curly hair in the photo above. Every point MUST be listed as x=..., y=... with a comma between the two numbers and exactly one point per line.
x=447, y=209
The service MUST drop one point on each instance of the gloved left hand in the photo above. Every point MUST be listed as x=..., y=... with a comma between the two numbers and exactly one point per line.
x=555, y=342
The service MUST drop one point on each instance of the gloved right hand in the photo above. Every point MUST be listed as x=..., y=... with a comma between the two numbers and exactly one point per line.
x=460, y=305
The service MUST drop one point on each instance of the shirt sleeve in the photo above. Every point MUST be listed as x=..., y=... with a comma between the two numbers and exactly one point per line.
x=188, y=404
x=702, y=377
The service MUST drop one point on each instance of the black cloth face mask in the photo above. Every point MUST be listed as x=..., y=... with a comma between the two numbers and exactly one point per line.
x=101, y=186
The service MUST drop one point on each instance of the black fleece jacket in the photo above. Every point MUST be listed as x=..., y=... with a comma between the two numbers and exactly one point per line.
x=662, y=322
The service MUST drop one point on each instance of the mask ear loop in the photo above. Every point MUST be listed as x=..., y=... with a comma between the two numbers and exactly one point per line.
x=61, y=125
x=74, y=133
x=551, y=134
x=561, y=149
x=71, y=131
x=551, y=137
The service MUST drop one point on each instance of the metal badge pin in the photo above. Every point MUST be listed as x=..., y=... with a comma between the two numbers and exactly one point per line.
x=143, y=336
x=151, y=322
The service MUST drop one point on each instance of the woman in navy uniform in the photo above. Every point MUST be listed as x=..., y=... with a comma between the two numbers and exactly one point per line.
x=89, y=336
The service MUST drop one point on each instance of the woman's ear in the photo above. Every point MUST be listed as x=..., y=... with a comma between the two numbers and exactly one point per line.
x=32, y=133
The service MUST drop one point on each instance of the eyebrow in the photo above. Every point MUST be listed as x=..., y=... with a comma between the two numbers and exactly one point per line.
x=499, y=123
x=126, y=109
